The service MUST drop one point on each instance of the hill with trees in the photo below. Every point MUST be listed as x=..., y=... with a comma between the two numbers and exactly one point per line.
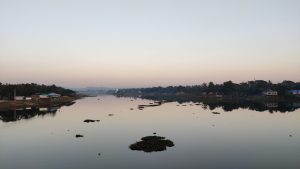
x=28, y=89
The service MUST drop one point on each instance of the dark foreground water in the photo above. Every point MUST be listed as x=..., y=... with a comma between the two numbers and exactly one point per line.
x=45, y=138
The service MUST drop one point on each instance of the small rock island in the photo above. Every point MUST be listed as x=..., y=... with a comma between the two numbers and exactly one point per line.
x=152, y=144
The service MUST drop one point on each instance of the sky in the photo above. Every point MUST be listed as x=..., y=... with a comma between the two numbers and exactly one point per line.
x=143, y=43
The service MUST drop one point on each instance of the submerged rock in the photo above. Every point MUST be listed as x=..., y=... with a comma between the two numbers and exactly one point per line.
x=110, y=114
x=152, y=144
x=90, y=121
x=78, y=135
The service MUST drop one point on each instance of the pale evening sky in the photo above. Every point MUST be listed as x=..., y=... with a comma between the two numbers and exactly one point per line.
x=138, y=43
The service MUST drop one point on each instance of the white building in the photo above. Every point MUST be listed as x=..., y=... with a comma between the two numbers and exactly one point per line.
x=19, y=97
x=53, y=95
x=270, y=93
x=27, y=98
x=44, y=96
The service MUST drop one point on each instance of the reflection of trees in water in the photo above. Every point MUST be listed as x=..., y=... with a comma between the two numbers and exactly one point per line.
x=229, y=105
x=19, y=114
x=69, y=104
x=256, y=106
x=15, y=115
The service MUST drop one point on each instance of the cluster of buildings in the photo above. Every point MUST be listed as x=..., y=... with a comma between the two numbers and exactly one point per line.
x=270, y=93
x=275, y=93
x=294, y=92
x=265, y=93
x=38, y=96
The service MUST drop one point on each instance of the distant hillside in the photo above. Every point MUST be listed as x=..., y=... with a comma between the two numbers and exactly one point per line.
x=7, y=90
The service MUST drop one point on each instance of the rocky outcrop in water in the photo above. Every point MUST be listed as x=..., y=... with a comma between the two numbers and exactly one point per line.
x=152, y=144
x=90, y=121
x=78, y=135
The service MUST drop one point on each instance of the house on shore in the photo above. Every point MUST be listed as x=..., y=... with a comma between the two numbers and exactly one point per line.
x=38, y=96
x=270, y=93
x=294, y=92
x=28, y=98
x=19, y=97
x=271, y=105
x=53, y=95
x=35, y=96
x=43, y=96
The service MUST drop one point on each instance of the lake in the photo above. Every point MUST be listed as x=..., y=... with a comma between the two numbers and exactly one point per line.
x=241, y=138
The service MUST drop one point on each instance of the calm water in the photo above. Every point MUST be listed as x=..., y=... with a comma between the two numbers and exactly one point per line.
x=236, y=139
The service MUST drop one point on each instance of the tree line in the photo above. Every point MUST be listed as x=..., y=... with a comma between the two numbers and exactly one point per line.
x=28, y=89
x=228, y=88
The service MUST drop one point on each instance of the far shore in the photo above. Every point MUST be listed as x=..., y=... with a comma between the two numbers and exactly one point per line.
x=16, y=104
x=191, y=97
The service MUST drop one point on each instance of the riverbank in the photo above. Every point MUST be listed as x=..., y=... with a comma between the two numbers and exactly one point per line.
x=16, y=104
x=200, y=98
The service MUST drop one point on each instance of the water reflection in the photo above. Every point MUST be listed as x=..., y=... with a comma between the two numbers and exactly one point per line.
x=28, y=113
x=238, y=139
x=230, y=105
x=272, y=107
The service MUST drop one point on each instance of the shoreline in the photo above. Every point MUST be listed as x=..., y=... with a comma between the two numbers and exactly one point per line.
x=16, y=104
x=174, y=97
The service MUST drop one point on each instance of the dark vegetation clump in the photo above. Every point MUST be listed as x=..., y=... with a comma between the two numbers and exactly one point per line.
x=90, y=121
x=215, y=112
x=78, y=135
x=152, y=144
